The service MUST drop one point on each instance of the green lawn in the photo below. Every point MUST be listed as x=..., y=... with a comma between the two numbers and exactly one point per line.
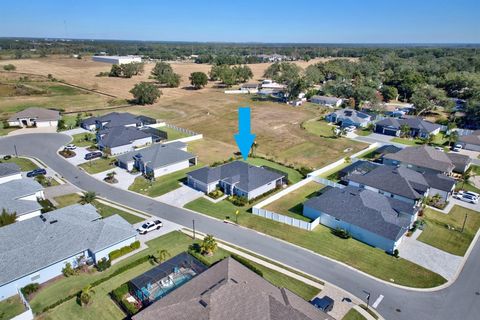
x=320, y=128
x=352, y=252
x=162, y=184
x=292, y=204
x=11, y=307
x=5, y=131
x=332, y=173
x=438, y=140
x=83, y=139
x=437, y=234
x=98, y=165
x=408, y=142
x=293, y=175
x=103, y=306
x=67, y=200
x=353, y=315
x=173, y=134
x=363, y=132
x=23, y=163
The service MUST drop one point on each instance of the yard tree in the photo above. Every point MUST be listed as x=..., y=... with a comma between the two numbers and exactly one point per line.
x=163, y=73
x=161, y=255
x=145, y=93
x=116, y=71
x=88, y=197
x=404, y=130
x=243, y=73
x=283, y=72
x=86, y=295
x=198, y=79
x=9, y=67
x=7, y=218
x=452, y=137
x=389, y=93
x=295, y=87
x=208, y=245
x=314, y=74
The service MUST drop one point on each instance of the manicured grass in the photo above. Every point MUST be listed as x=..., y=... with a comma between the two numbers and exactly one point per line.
x=293, y=175
x=173, y=134
x=23, y=163
x=11, y=307
x=98, y=165
x=331, y=174
x=408, y=142
x=103, y=307
x=353, y=315
x=162, y=184
x=67, y=200
x=437, y=234
x=320, y=128
x=83, y=139
x=292, y=204
x=321, y=240
x=5, y=131
x=438, y=139
x=363, y=132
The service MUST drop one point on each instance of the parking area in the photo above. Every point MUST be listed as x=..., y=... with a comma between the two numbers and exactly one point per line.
x=33, y=130
x=125, y=178
x=79, y=158
x=180, y=197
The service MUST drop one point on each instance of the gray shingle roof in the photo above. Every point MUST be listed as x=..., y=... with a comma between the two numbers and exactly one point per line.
x=388, y=148
x=120, y=136
x=9, y=169
x=228, y=290
x=354, y=115
x=366, y=209
x=358, y=167
x=157, y=156
x=400, y=181
x=439, y=181
x=11, y=191
x=246, y=176
x=40, y=114
x=473, y=138
x=425, y=157
x=460, y=161
x=413, y=122
x=114, y=119
x=33, y=244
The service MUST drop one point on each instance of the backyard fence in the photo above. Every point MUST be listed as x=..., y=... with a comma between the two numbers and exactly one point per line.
x=286, y=219
x=183, y=130
x=328, y=183
x=27, y=314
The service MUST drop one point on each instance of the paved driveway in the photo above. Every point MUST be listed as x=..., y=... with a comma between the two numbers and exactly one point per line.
x=180, y=197
x=125, y=179
x=79, y=158
x=75, y=131
x=441, y=262
x=168, y=226
x=379, y=138
x=32, y=130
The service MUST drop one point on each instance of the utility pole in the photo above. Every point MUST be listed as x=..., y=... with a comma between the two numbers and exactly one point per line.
x=15, y=148
x=193, y=222
x=464, y=221
x=368, y=298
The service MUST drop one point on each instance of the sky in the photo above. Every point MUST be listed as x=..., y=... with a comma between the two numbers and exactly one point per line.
x=280, y=21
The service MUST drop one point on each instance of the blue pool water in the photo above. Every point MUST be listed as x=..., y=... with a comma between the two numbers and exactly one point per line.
x=180, y=280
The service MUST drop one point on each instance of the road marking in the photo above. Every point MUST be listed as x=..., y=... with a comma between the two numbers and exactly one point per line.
x=377, y=302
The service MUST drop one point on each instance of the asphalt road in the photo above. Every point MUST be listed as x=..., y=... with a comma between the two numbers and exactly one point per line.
x=461, y=300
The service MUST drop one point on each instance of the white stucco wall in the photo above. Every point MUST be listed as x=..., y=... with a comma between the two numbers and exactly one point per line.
x=10, y=178
x=29, y=215
x=171, y=168
x=42, y=124
x=200, y=186
x=263, y=189
x=104, y=253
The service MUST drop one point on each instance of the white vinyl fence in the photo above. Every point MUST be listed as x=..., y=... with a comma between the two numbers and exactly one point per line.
x=286, y=219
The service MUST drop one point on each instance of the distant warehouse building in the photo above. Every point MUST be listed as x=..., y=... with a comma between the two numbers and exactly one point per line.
x=117, y=59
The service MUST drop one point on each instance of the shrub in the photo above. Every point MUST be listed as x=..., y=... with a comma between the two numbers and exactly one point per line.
x=238, y=201
x=7, y=157
x=29, y=289
x=68, y=270
x=396, y=253
x=103, y=264
x=194, y=251
x=115, y=254
x=9, y=67
x=247, y=264
x=216, y=194
x=342, y=233
x=118, y=295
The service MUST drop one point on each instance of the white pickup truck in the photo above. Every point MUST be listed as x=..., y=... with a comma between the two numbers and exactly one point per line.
x=150, y=226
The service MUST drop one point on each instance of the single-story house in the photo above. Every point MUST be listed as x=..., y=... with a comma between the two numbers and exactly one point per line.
x=471, y=141
x=236, y=178
x=9, y=172
x=422, y=159
x=327, y=101
x=35, y=117
x=36, y=250
x=122, y=139
x=116, y=119
x=229, y=290
x=158, y=160
x=21, y=196
x=366, y=215
x=349, y=117
x=357, y=167
x=386, y=149
x=440, y=184
x=250, y=87
x=418, y=127
x=460, y=161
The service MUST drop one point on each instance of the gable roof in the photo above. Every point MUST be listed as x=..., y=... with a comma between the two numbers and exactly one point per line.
x=245, y=176
x=366, y=209
x=388, y=148
x=413, y=122
x=353, y=115
x=114, y=119
x=30, y=245
x=12, y=191
x=460, y=161
x=40, y=114
x=228, y=290
x=360, y=166
x=158, y=155
x=440, y=181
x=423, y=156
x=9, y=169
x=120, y=136
x=473, y=138
x=400, y=181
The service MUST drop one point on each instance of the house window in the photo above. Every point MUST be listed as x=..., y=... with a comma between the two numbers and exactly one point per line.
x=35, y=277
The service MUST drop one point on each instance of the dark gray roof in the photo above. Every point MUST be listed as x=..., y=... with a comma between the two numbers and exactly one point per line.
x=40, y=114
x=366, y=209
x=388, y=148
x=33, y=244
x=352, y=114
x=460, y=161
x=358, y=167
x=412, y=122
x=157, y=156
x=400, y=181
x=114, y=119
x=12, y=191
x=9, y=169
x=439, y=181
x=228, y=290
x=246, y=176
x=425, y=157
x=473, y=138
x=120, y=136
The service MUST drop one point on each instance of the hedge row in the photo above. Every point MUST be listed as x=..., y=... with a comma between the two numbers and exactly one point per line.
x=248, y=264
x=99, y=281
x=118, y=295
x=115, y=254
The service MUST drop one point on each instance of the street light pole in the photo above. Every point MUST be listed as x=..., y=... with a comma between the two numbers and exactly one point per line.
x=15, y=148
x=193, y=222
x=368, y=298
x=464, y=221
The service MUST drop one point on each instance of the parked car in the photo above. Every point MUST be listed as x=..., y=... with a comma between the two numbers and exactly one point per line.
x=468, y=198
x=439, y=148
x=93, y=155
x=150, y=226
x=36, y=172
x=457, y=148
x=71, y=146
x=350, y=128
x=325, y=304
x=471, y=193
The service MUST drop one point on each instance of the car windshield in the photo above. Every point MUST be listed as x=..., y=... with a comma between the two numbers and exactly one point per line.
x=145, y=225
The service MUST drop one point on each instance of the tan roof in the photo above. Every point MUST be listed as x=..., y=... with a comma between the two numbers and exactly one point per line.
x=228, y=290
x=40, y=114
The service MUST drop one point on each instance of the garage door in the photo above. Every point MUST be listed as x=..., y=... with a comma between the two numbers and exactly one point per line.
x=390, y=132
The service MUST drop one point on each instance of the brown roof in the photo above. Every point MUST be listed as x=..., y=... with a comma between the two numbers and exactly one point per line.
x=424, y=157
x=40, y=114
x=473, y=138
x=228, y=290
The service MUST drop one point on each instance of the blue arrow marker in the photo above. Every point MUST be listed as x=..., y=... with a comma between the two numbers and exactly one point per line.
x=244, y=137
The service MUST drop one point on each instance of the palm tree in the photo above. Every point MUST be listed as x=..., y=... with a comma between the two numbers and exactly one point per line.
x=404, y=130
x=161, y=255
x=467, y=175
x=208, y=245
x=452, y=137
x=86, y=295
x=7, y=218
x=88, y=197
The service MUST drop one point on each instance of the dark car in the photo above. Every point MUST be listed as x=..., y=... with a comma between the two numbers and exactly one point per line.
x=93, y=155
x=36, y=172
x=325, y=304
